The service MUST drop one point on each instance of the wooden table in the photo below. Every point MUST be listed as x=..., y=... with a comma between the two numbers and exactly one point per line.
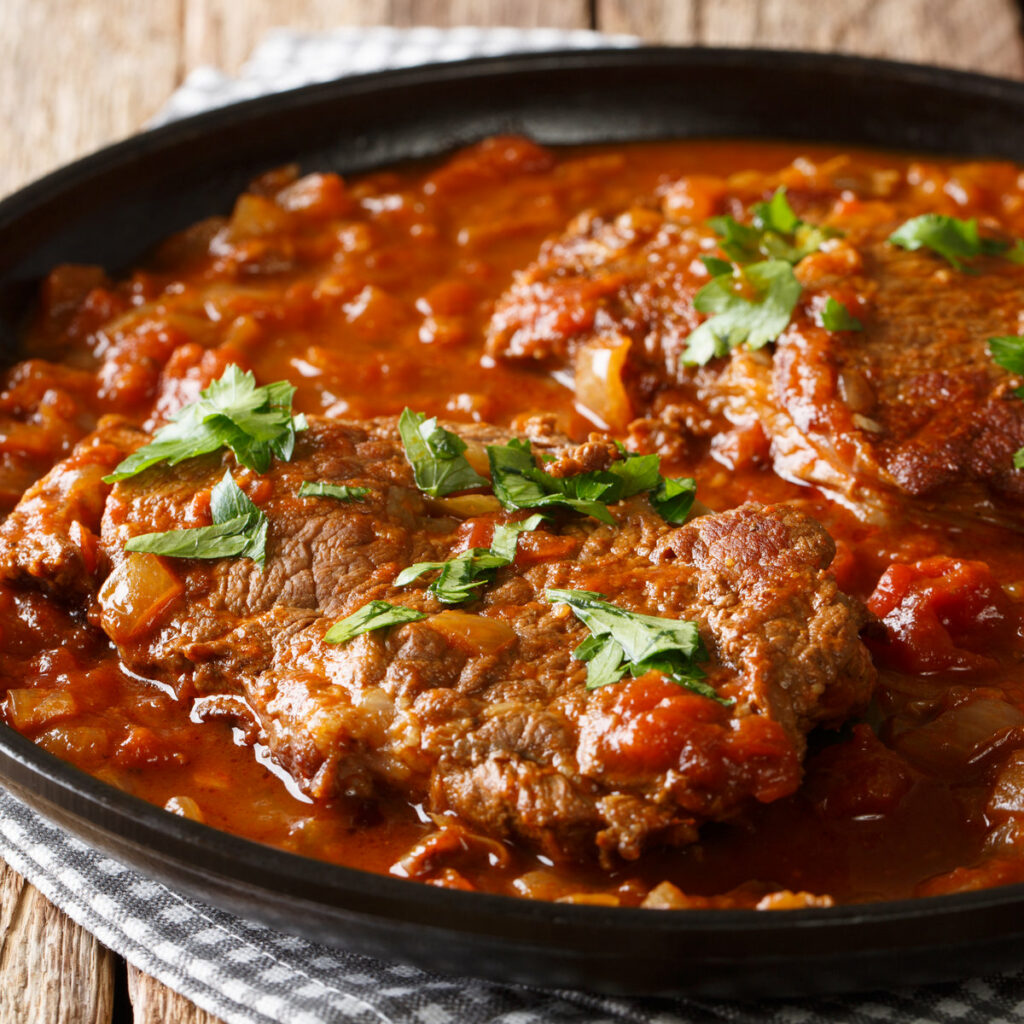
x=77, y=74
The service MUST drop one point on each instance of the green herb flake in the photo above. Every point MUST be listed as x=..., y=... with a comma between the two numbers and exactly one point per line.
x=715, y=266
x=673, y=499
x=505, y=539
x=738, y=320
x=375, y=615
x=256, y=423
x=1015, y=254
x=436, y=456
x=1008, y=352
x=836, y=317
x=519, y=483
x=239, y=530
x=621, y=641
x=342, y=492
x=777, y=233
x=955, y=240
x=461, y=577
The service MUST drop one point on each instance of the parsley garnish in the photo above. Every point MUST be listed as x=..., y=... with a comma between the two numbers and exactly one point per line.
x=505, y=539
x=1008, y=352
x=320, y=489
x=954, y=239
x=239, y=530
x=435, y=455
x=520, y=483
x=777, y=233
x=836, y=317
x=255, y=423
x=673, y=498
x=739, y=320
x=716, y=267
x=461, y=576
x=621, y=641
x=375, y=615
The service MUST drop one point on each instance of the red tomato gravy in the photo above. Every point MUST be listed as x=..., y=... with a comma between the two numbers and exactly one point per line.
x=373, y=294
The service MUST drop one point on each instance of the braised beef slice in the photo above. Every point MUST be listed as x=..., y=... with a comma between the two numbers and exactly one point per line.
x=481, y=711
x=909, y=413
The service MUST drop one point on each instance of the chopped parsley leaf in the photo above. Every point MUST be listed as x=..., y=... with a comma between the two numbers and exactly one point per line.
x=777, y=233
x=1015, y=254
x=520, y=483
x=256, y=423
x=836, y=317
x=716, y=267
x=506, y=536
x=460, y=577
x=673, y=498
x=239, y=530
x=1008, y=352
x=738, y=320
x=375, y=615
x=621, y=641
x=436, y=456
x=954, y=239
x=320, y=489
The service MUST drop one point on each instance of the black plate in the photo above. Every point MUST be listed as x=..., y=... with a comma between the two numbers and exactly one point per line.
x=111, y=206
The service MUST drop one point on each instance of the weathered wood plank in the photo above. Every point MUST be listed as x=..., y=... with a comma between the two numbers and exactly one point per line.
x=50, y=969
x=224, y=32
x=74, y=76
x=980, y=35
x=153, y=1003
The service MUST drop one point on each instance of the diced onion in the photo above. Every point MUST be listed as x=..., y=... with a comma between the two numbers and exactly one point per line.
x=541, y=884
x=476, y=455
x=962, y=738
x=598, y=384
x=257, y=216
x=476, y=633
x=465, y=506
x=786, y=900
x=666, y=896
x=185, y=807
x=134, y=594
x=31, y=709
x=1008, y=791
x=76, y=742
x=594, y=899
x=447, y=845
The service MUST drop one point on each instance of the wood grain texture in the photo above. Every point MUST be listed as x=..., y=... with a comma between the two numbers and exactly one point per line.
x=224, y=32
x=74, y=76
x=980, y=35
x=51, y=970
x=153, y=1003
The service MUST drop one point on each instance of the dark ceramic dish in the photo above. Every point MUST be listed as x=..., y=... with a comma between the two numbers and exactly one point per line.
x=111, y=206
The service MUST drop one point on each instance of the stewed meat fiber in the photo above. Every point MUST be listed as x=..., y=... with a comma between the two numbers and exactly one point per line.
x=479, y=710
x=909, y=414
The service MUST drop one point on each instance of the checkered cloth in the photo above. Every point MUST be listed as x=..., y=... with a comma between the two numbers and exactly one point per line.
x=248, y=974
x=287, y=59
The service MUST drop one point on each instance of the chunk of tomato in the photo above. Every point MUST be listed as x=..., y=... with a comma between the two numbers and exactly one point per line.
x=941, y=614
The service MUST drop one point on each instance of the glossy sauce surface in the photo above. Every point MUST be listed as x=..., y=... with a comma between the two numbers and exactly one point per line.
x=374, y=294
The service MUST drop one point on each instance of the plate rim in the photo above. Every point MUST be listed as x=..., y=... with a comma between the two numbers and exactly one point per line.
x=60, y=783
